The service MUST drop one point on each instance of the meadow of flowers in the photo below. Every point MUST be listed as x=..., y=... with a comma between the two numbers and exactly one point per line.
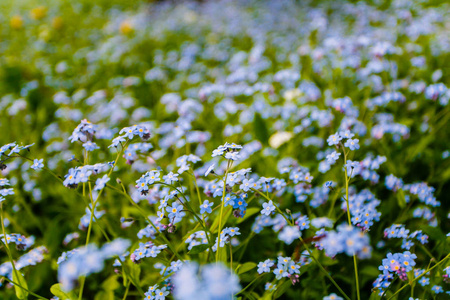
x=224, y=150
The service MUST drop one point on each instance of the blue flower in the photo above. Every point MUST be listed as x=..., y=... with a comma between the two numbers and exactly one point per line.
x=303, y=222
x=353, y=144
x=333, y=157
x=175, y=212
x=268, y=208
x=37, y=164
x=424, y=281
x=264, y=266
x=171, y=177
x=407, y=260
x=232, y=155
x=296, y=176
x=437, y=289
x=246, y=184
x=101, y=182
x=289, y=234
x=90, y=146
x=346, y=134
x=151, y=290
x=334, y=139
x=333, y=296
x=293, y=268
x=210, y=169
x=216, y=281
x=206, y=207
x=160, y=294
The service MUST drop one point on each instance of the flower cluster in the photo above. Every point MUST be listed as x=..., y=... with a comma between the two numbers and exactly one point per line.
x=399, y=231
x=347, y=239
x=215, y=281
x=82, y=174
x=87, y=260
x=22, y=243
x=394, y=264
x=225, y=236
x=195, y=239
x=146, y=250
x=229, y=151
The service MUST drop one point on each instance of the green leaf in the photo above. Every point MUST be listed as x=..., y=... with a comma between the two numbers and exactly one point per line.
x=327, y=261
x=104, y=295
x=370, y=271
x=374, y=296
x=245, y=267
x=435, y=233
x=223, y=255
x=249, y=296
x=282, y=289
x=215, y=224
x=18, y=278
x=410, y=275
x=445, y=175
x=250, y=212
x=198, y=249
x=57, y=290
x=401, y=198
x=135, y=271
x=111, y=283
x=414, y=151
x=261, y=132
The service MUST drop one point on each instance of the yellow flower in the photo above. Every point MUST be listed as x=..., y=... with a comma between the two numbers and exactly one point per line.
x=38, y=13
x=57, y=23
x=126, y=27
x=16, y=22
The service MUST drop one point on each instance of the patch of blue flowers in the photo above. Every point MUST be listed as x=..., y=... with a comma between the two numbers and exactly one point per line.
x=224, y=150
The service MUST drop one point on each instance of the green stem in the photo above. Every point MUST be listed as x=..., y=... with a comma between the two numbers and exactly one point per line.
x=221, y=209
x=231, y=259
x=94, y=203
x=350, y=222
x=23, y=288
x=388, y=288
x=323, y=269
x=248, y=285
x=333, y=203
x=126, y=291
x=427, y=252
x=198, y=191
x=8, y=250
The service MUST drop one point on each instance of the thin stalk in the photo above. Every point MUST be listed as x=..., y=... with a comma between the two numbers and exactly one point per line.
x=23, y=288
x=323, y=269
x=231, y=259
x=350, y=222
x=388, y=288
x=248, y=285
x=8, y=250
x=94, y=203
x=126, y=291
x=221, y=209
